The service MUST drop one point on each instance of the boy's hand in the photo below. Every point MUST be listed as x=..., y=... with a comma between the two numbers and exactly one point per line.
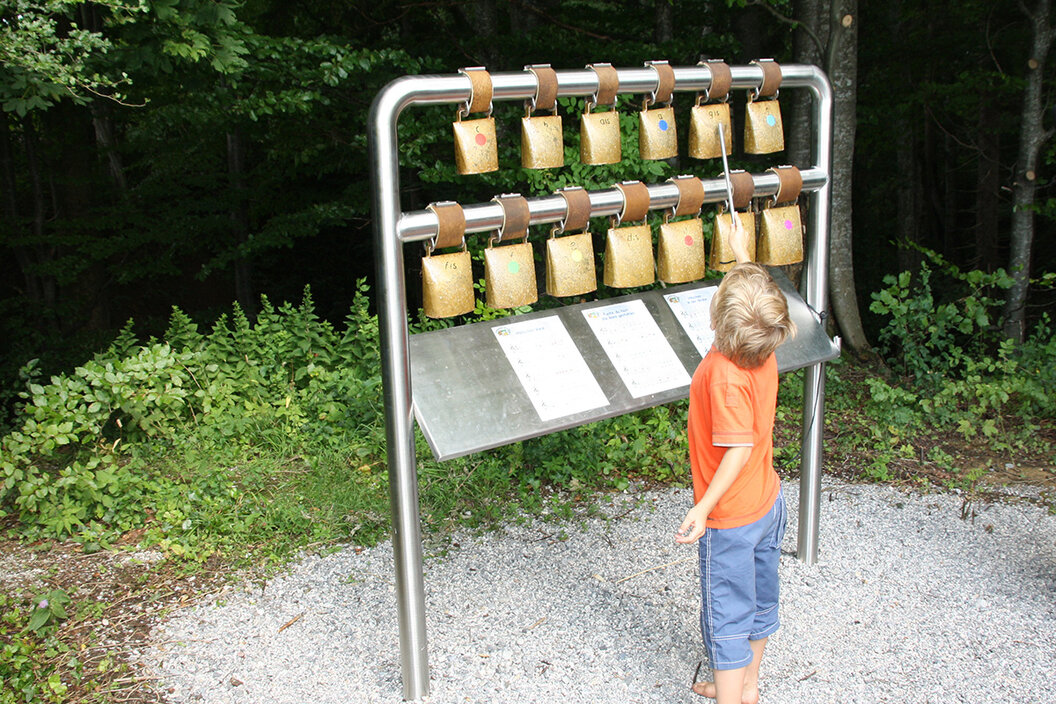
x=693, y=525
x=738, y=239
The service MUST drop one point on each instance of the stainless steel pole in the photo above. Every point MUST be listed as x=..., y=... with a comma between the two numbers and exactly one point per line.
x=815, y=290
x=396, y=376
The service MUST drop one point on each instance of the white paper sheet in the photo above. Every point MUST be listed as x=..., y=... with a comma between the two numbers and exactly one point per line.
x=550, y=367
x=637, y=348
x=692, y=309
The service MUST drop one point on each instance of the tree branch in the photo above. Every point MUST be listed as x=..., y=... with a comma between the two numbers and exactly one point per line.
x=552, y=20
x=796, y=24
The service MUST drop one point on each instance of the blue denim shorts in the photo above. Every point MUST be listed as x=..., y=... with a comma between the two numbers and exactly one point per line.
x=738, y=585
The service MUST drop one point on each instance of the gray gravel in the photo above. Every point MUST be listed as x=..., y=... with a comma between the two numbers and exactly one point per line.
x=908, y=603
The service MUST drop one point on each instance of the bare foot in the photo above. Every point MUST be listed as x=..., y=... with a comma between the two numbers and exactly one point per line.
x=707, y=689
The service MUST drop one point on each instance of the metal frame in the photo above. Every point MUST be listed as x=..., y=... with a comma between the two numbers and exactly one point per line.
x=392, y=228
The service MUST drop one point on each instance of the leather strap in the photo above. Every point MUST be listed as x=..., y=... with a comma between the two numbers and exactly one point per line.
x=635, y=200
x=743, y=188
x=721, y=79
x=515, y=216
x=771, y=77
x=546, y=89
x=577, y=208
x=791, y=181
x=665, y=82
x=608, y=84
x=480, y=95
x=451, y=227
x=690, y=195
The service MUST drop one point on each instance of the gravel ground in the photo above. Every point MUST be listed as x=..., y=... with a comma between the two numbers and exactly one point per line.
x=908, y=603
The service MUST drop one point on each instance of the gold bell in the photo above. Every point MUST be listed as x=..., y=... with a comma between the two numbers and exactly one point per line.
x=447, y=279
x=657, y=137
x=570, y=259
x=599, y=132
x=706, y=118
x=722, y=258
x=763, y=130
x=781, y=228
x=629, y=250
x=509, y=271
x=476, y=149
x=542, y=140
x=680, y=252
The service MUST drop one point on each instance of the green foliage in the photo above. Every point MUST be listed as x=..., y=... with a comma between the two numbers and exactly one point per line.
x=28, y=648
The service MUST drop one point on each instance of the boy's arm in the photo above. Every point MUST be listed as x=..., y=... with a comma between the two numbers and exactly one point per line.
x=738, y=239
x=732, y=462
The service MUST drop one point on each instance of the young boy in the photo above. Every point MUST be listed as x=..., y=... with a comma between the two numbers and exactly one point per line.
x=739, y=515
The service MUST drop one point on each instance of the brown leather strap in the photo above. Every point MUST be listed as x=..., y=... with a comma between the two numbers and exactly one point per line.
x=515, y=216
x=743, y=188
x=771, y=77
x=577, y=208
x=546, y=89
x=791, y=181
x=690, y=195
x=480, y=95
x=635, y=200
x=608, y=84
x=721, y=79
x=665, y=82
x=451, y=228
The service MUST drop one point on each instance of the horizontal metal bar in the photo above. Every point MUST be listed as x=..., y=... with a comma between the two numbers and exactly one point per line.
x=483, y=217
x=522, y=85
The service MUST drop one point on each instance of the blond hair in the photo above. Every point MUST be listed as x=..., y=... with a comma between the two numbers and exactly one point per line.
x=750, y=315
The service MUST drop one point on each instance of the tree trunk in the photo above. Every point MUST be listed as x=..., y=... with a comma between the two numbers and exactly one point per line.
x=43, y=253
x=11, y=225
x=1031, y=138
x=663, y=21
x=812, y=16
x=104, y=139
x=907, y=212
x=842, y=67
x=239, y=216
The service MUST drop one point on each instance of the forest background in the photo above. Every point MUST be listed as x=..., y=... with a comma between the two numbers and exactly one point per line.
x=173, y=171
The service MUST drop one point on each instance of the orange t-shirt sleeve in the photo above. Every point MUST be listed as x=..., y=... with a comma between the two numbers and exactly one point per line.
x=732, y=415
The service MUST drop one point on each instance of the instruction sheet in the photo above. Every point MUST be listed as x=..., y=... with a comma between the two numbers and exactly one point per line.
x=637, y=348
x=692, y=309
x=550, y=367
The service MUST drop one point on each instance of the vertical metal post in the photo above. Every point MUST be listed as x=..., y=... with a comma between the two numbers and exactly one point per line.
x=815, y=292
x=396, y=376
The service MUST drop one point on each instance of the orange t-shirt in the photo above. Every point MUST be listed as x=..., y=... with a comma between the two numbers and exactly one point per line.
x=729, y=407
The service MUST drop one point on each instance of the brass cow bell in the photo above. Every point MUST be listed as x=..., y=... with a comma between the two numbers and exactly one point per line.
x=781, y=227
x=722, y=258
x=763, y=131
x=657, y=138
x=599, y=132
x=447, y=284
x=629, y=250
x=704, y=121
x=542, y=139
x=447, y=279
x=509, y=271
x=570, y=259
x=476, y=150
x=680, y=256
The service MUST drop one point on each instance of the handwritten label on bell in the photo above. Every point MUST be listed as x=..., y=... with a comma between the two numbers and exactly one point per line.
x=704, y=133
x=570, y=265
x=763, y=131
x=680, y=256
x=599, y=138
x=781, y=236
x=629, y=257
x=722, y=257
x=542, y=144
x=656, y=134
x=475, y=147
x=509, y=276
x=447, y=285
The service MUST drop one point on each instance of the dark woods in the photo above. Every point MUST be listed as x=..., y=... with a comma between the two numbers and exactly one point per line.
x=204, y=152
